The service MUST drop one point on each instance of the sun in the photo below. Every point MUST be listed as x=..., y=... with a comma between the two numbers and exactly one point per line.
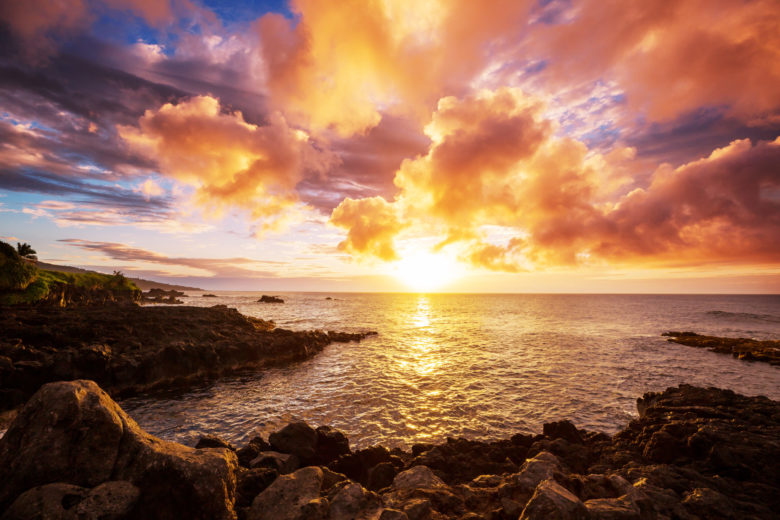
x=424, y=272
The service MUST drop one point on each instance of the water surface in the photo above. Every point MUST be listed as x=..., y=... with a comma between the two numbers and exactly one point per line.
x=469, y=365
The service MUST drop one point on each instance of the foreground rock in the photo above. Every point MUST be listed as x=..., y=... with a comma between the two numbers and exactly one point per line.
x=693, y=453
x=748, y=349
x=129, y=348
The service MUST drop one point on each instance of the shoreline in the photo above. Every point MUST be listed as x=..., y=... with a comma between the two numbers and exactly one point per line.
x=131, y=348
x=692, y=452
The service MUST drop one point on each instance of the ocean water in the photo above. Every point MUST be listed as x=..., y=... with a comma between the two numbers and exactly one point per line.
x=477, y=366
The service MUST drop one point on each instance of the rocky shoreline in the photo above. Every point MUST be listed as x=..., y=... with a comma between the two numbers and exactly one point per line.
x=767, y=351
x=129, y=348
x=692, y=453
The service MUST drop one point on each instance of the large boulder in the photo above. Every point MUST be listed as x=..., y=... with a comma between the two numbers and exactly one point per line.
x=291, y=497
x=551, y=501
x=73, y=433
x=297, y=438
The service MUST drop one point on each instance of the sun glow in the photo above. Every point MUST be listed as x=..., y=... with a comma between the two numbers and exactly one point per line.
x=423, y=271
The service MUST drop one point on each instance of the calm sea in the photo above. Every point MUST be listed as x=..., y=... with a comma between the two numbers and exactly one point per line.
x=478, y=366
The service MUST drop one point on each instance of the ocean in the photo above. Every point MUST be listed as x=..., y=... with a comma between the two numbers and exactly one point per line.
x=468, y=365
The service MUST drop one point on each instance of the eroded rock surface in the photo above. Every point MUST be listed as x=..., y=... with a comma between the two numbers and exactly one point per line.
x=692, y=453
x=130, y=348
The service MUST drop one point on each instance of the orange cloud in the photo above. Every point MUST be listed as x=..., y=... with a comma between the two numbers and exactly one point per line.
x=670, y=57
x=342, y=66
x=227, y=160
x=494, y=162
x=373, y=225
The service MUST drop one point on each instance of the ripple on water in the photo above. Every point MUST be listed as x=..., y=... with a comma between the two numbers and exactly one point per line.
x=469, y=365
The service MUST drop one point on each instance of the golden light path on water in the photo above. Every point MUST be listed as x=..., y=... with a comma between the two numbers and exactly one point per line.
x=476, y=366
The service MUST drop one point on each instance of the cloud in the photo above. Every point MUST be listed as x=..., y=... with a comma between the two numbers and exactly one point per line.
x=217, y=267
x=372, y=225
x=342, y=72
x=229, y=162
x=670, y=58
x=495, y=162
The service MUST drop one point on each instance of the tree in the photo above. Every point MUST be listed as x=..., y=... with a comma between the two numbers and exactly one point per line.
x=26, y=251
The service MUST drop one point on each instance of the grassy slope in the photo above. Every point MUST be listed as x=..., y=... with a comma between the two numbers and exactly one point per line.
x=142, y=284
x=45, y=280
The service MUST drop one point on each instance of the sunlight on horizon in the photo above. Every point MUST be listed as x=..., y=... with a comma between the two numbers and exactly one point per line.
x=423, y=271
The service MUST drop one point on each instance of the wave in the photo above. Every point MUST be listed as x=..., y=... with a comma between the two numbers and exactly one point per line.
x=744, y=316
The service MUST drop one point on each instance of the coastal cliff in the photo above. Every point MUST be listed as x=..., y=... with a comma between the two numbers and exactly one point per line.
x=127, y=348
x=692, y=453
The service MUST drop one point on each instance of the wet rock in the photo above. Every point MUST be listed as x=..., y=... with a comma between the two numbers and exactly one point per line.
x=72, y=432
x=270, y=299
x=767, y=351
x=551, y=501
x=212, y=441
x=330, y=445
x=563, y=430
x=297, y=438
x=250, y=452
x=281, y=462
x=358, y=465
x=288, y=497
x=353, y=502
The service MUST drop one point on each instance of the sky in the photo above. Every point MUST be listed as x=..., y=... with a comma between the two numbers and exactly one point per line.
x=388, y=145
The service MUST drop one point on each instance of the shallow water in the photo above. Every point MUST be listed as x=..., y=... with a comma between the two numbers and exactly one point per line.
x=469, y=365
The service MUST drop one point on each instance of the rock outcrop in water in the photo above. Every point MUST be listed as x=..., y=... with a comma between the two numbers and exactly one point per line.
x=155, y=295
x=129, y=348
x=748, y=349
x=270, y=299
x=692, y=453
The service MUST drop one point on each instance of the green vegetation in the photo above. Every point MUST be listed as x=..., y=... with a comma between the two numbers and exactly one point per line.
x=22, y=282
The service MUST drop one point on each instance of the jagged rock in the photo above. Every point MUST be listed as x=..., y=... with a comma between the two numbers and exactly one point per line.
x=612, y=509
x=212, y=441
x=563, y=430
x=541, y=467
x=130, y=348
x=708, y=503
x=46, y=502
x=251, y=482
x=381, y=476
x=72, y=432
x=288, y=497
x=417, y=477
x=281, y=462
x=113, y=500
x=358, y=465
x=331, y=444
x=250, y=452
x=353, y=502
x=392, y=514
x=297, y=438
x=418, y=508
x=551, y=501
